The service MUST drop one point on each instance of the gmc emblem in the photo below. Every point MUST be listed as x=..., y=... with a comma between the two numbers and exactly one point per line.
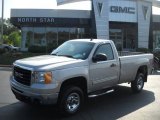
x=119, y=9
x=17, y=74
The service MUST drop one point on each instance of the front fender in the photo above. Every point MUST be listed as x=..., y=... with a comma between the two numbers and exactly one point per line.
x=69, y=73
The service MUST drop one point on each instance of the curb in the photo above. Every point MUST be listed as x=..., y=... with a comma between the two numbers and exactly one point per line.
x=5, y=65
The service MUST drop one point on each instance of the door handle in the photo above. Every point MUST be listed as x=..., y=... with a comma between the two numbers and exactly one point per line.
x=112, y=65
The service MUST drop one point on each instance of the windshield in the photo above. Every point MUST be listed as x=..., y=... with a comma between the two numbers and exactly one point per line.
x=74, y=49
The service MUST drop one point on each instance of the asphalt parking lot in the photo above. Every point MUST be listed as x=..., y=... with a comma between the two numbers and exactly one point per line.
x=121, y=104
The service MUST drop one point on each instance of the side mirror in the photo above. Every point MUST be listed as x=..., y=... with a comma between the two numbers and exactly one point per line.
x=99, y=57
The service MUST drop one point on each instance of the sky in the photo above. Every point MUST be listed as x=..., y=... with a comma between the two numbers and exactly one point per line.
x=46, y=4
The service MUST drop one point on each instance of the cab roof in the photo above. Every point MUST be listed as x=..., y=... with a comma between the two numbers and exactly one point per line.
x=92, y=40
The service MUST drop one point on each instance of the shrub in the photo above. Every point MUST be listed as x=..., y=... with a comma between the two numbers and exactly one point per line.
x=156, y=53
x=143, y=50
x=51, y=47
x=41, y=49
x=37, y=49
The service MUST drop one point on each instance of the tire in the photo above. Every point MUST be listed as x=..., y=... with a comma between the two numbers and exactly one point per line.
x=71, y=100
x=138, y=83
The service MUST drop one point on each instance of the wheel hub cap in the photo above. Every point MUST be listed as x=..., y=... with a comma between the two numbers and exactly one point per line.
x=73, y=102
x=140, y=83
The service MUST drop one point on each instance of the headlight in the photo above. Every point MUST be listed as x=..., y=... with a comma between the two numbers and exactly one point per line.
x=43, y=77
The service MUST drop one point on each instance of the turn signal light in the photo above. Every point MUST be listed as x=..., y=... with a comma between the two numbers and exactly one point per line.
x=48, y=77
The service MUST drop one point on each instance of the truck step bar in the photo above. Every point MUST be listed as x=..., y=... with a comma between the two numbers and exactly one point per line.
x=100, y=93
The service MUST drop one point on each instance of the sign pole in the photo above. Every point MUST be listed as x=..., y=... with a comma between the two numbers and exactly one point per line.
x=2, y=22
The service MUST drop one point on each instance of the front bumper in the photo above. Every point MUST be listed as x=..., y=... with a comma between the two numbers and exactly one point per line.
x=36, y=95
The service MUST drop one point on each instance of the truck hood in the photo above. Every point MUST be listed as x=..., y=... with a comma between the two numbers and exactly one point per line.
x=49, y=62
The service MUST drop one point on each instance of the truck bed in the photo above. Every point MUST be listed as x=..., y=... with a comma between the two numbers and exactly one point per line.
x=131, y=63
x=128, y=53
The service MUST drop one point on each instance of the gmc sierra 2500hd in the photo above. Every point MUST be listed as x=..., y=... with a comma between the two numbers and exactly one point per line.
x=75, y=70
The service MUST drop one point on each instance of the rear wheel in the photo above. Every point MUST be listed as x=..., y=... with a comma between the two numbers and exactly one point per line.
x=71, y=100
x=138, y=83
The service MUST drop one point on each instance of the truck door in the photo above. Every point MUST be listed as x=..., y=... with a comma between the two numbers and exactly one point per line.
x=104, y=73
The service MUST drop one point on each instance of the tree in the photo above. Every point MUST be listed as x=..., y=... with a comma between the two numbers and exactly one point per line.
x=8, y=27
x=15, y=38
x=11, y=34
x=6, y=40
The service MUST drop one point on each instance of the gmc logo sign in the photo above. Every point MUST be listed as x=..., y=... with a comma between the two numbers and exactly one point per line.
x=119, y=9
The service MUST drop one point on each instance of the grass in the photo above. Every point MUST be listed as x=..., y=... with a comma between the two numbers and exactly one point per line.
x=9, y=58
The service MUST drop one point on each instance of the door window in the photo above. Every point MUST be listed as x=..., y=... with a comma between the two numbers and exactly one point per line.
x=107, y=50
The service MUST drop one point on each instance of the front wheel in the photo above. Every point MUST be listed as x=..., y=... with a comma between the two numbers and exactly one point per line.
x=71, y=100
x=138, y=83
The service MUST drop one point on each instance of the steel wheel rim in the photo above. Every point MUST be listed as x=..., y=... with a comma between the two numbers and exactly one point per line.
x=140, y=83
x=73, y=102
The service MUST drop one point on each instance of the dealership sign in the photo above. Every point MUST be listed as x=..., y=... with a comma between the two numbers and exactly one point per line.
x=119, y=9
x=145, y=11
x=99, y=7
x=35, y=20
x=123, y=11
x=50, y=21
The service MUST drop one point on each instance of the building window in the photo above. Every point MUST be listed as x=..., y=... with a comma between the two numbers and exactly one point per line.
x=27, y=36
x=63, y=35
x=124, y=35
x=73, y=33
x=129, y=38
x=39, y=36
x=156, y=39
x=85, y=33
x=105, y=49
x=117, y=36
x=51, y=37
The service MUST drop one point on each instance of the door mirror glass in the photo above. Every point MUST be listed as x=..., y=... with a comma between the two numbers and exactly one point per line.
x=99, y=57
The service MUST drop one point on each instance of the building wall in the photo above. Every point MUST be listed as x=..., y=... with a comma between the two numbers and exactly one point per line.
x=106, y=16
x=58, y=13
x=123, y=11
x=50, y=27
x=50, y=37
x=101, y=18
x=144, y=15
x=156, y=18
x=156, y=31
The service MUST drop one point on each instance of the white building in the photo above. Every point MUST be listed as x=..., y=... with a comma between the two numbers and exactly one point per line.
x=129, y=23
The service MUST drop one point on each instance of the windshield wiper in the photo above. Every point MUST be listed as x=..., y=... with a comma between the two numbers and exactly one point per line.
x=70, y=56
x=54, y=54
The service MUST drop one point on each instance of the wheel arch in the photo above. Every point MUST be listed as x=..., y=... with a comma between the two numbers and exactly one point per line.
x=80, y=82
x=144, y=70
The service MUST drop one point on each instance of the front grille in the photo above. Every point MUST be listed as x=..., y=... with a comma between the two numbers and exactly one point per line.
x=22, y=76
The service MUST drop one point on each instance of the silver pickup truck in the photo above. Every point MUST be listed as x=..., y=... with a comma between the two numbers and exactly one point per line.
x=75, y=70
